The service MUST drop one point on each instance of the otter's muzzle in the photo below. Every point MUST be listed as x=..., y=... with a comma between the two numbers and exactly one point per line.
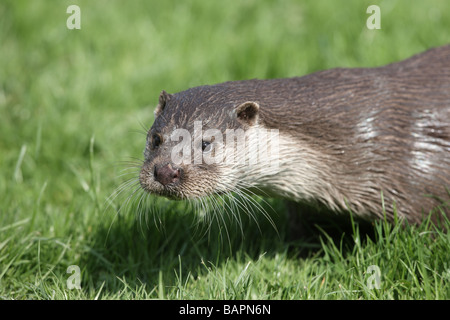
x=167, y=174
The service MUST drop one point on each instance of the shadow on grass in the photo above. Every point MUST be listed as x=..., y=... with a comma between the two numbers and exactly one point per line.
x=156, y=250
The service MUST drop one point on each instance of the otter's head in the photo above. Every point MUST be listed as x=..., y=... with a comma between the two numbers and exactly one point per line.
x=186, y=151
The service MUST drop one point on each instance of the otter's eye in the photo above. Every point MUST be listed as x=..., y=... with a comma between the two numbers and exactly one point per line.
x=156, y=141
x=206, y=146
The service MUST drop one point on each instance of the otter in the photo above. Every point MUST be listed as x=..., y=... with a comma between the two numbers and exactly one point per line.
x=372, y=141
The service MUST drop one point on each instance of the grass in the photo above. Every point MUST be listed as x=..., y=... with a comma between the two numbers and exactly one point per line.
x=72, y=103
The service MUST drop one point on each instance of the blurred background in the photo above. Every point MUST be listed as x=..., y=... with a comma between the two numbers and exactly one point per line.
x=60, y=87
x=73, y=103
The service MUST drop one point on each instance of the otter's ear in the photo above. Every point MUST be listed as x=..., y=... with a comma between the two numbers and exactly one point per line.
x=163, y=98
x=248, y=113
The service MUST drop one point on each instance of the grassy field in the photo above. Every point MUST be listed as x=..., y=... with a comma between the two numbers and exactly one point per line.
x=73, y=105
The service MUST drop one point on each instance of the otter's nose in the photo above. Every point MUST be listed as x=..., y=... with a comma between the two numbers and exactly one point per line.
x=166, y=174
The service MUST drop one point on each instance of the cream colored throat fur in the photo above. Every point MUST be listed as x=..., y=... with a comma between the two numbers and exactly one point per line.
x=290, y=169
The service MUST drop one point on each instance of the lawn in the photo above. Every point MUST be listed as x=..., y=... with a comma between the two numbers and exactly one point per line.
x=74, y=107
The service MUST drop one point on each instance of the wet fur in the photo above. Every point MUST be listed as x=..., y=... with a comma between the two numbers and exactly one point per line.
x=346, y=137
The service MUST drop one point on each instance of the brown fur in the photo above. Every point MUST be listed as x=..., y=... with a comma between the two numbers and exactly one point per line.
x=364, y=131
